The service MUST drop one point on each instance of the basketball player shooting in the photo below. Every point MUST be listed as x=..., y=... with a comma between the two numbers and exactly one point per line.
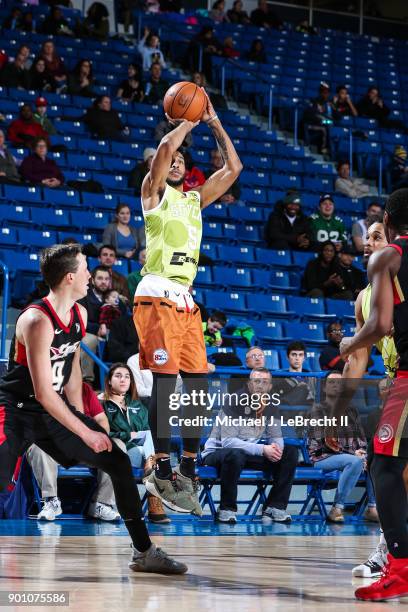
x=168, y=322
x=388, y=276
x=41, y=399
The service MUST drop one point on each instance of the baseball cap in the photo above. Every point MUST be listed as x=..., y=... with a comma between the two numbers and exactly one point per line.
x=324, y=85
x=400, y=151
x=41, y=102
x=148, y=152
x=347, y=249
x=292, y=198
x=326, y=196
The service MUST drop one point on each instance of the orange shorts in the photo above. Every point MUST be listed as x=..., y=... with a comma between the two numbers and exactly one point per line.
x=169, y=327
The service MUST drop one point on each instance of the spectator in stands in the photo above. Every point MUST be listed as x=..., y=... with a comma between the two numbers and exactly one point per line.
x=322, y=276
x=359, y=228
x=194, y=177
x=212, y=328
x=100, y=284
x=156, y=87
x=399, y=168
x=348, y=453
x=237, y=14
x=149, y=49
x=265, y=17
x=122, y=342
x=40, y=116
x=14, y=74
x=109, y=312
x=305, y=28
x=25, y=51
x=164, y=127
x=318, y=116
x=349, y=186
x=129, y=426
x=39, y=78
x=8, y=164
x=342, y=104
x=28, y=23
x=295, y=390
x=229, y=49
x=132, y=88
x=233, y=194
x=217, y=100
x=217, y=12
x=135, y=277
x=353, y=278
x=96, y=22
x=55, y=24
x=14, y=20
x=288, y=227
x=126, y=239
x=45, y=469
x=39, y=169
x=104, y=122
x=54, y=64
x=326, y=225
x=138, y=173
x=231, y=448
x=210, y=46
x=372, y=106
x=107, y=257
x=330, y=356
x=254, y=360
x=257, y=52
x=81, y=80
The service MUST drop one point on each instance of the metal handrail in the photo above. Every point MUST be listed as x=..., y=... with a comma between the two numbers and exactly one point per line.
x=6, y=292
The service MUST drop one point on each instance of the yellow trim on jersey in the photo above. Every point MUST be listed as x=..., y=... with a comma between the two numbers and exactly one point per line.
x=400, y=429
x=398, y=289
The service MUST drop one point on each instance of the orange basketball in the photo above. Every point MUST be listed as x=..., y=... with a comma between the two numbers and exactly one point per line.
x=184, y=100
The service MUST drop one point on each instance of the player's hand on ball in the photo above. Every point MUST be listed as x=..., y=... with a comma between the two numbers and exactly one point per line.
x=177, y=122
x=209, y=112
x=97, y=441
x=345, y=347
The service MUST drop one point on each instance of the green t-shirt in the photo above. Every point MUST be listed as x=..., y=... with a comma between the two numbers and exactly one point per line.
x=173, y=236
x=328, y=229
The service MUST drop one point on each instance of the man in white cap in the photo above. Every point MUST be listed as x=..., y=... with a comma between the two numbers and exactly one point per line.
x=40, y=116
x=140, y=170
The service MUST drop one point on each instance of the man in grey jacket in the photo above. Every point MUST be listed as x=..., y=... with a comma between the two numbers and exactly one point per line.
x=235, y=444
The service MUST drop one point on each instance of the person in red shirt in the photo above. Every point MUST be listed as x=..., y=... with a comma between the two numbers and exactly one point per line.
x=24, y=130
x=193, y=177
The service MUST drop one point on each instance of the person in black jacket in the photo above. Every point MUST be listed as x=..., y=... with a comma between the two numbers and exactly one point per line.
x=103, y=121
x=373, y=106
x=122, y=341
x=288, y=228
x=14, y=73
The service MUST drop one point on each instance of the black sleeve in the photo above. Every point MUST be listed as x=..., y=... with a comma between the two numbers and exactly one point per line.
x=310, y=277
x=123, y=341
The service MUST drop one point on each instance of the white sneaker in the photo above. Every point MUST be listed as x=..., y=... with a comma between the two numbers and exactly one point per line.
x=103, y=512
x=50, y=510
x=226, y=516
x=374, y=564
x=275, y=515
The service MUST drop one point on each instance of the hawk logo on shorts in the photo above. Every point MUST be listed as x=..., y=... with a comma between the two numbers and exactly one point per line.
x=166, y=293
x=385, y=434
x=160, y=357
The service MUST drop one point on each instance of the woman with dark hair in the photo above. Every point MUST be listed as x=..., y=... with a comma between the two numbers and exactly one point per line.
x=257, y=52
x=132, y=89
x=80, y=80
x=129, y=426
x=54, y=64
x=193, y=177
x=237, y=14
x=217, y=12
x=103, y=121
x=126, y=239
x=321, y=278
x=96, y=22
x=39, y=78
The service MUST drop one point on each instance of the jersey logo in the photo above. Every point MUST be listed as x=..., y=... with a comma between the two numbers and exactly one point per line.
x=386, y=434
x=77, y=327
x=179, y=259
x=160, y=357
x=58, y=331
x=63, y=351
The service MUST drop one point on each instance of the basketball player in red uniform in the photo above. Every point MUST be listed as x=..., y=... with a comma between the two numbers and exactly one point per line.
x=388, y=275
x=41, y=399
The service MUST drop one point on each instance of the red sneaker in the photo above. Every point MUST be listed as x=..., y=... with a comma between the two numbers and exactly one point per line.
x=392, y=584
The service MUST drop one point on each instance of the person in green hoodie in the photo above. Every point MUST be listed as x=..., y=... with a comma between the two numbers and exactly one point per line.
x=40, y=116
x=129, y=424
x=326, y=225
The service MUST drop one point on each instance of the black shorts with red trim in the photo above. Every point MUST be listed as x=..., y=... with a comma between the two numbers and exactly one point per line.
x=391, y=437
x=23, y=423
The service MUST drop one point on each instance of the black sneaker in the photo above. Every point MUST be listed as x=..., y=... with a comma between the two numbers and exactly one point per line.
x=155, y=561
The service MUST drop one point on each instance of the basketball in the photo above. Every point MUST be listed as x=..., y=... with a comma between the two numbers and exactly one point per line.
x=185, y=100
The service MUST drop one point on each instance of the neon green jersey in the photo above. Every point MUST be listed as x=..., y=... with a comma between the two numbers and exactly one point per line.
x=173, y=236
x=386, y=345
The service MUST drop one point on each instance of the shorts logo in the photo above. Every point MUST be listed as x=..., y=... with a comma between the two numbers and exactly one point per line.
x=385, y=434
x=160, y=357
x=166, y=293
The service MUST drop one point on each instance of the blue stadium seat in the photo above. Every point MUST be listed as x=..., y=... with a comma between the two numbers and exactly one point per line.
x=212, y=230
x=8, y=236
x=268, y=330
x=37, y=238
x=204, y=276
x=90, y=220
x=228, y=302
x=106, y=201
x=210, y=250
x=341, y=308
x=232, y=277
x=121, y=266
x=309, y=308
x=17, y=214
x=268, y=304
x=249, y=233
x=313, y=332
x=271, y=359
x=280, y=259
x=236, y=254
x=61, y=197
x=51, y=217
x=24, y=262
x=284, y=281
x=23, y=194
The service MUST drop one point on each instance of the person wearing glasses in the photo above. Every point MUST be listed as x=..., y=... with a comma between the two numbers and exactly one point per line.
x=330, y=356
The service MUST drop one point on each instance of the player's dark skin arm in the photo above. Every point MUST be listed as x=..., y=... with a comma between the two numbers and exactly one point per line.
x=382, y=268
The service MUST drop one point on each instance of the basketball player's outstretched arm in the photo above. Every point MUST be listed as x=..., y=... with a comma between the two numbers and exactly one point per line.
x=219, y=182
x=154, y=183
x=34, y=329
x=382, y=268
x=356, y=365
